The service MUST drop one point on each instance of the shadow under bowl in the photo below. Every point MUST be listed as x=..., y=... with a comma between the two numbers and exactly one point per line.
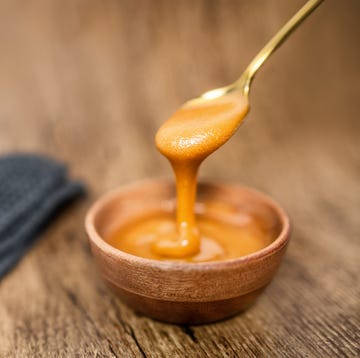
x=176, y=292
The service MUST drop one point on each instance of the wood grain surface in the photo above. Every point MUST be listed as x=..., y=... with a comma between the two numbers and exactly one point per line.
x=89, y=82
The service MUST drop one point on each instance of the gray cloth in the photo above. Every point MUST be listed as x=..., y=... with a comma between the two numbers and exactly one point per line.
x=32, y=190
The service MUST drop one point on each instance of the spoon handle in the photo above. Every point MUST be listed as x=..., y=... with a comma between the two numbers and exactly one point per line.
x=246, y=78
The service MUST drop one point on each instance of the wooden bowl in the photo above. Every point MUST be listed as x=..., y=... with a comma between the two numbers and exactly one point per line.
x=191, y=293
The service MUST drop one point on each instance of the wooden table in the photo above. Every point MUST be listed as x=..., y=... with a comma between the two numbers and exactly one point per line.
x=89, y=82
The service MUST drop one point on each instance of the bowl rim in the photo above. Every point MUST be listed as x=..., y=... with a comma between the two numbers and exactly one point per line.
x=280, y=241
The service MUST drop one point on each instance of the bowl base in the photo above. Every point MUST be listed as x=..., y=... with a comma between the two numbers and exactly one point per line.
x=192, y=313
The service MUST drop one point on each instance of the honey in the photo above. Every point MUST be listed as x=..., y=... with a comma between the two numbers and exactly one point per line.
x=214, y=232
x=191, y=134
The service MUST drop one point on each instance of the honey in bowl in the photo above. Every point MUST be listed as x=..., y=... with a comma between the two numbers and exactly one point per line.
x=193, y=289
x=226, y=232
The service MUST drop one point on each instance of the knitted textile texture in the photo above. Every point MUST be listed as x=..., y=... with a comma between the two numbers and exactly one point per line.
x=32, y=190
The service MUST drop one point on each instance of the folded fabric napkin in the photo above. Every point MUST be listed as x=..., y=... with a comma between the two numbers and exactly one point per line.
x=32, y=190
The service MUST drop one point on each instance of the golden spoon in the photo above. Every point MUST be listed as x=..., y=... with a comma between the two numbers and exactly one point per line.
x=200, y=127
x=244, y=82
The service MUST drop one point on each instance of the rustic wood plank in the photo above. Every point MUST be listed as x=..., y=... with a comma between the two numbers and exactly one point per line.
x=89, y=82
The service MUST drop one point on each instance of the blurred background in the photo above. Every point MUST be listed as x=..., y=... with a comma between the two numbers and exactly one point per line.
x=89, y=82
